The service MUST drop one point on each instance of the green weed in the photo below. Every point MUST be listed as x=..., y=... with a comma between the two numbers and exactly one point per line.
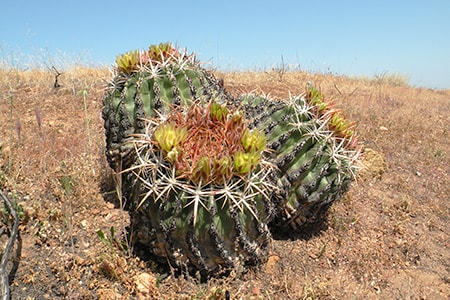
x=112, y=241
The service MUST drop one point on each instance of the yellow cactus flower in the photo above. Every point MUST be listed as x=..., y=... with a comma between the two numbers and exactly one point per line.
x=244, y=162
x=128, y=61
x=218, y=112
x=253, y=141
x=169, y=136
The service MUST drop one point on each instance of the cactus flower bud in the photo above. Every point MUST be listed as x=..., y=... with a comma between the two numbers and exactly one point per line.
x=245, y=162
x=316, y=99
x=218, y=112
x=202, y=170
x=128, y=61
x=253, y=141
x=341, y=126
x=173, y=154
x=159, y=53
x=223, y=167
x=169, y=136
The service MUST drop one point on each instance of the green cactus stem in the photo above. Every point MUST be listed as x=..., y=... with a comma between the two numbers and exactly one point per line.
x=173, y=143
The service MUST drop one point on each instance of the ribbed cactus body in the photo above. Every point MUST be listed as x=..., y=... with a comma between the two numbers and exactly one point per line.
x=315, y=164
x=221, y=235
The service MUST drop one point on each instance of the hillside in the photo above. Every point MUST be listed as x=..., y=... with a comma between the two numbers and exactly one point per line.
x=387, y=238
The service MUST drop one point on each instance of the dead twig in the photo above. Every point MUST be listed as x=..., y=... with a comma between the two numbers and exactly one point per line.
x=57, y=74
x=335, y=86
x=340, y=93
x=4, y=281
x=281, y=70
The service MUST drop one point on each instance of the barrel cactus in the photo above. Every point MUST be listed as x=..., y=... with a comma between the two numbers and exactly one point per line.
x=314, y=149
x=201, y=190
x=192, y=173
x=149, y=84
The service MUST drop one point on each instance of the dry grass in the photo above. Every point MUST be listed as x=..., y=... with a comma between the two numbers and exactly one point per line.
x=388, y=238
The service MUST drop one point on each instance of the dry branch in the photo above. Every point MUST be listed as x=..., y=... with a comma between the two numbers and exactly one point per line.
x=4, y=281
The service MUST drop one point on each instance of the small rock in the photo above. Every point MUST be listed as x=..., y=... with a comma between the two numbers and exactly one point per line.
x=106, y=294
x=255, y=290
x=146, y=286
x=79, y=260
x=108, y=217
x=382, y=128
x=271, y=264
x=83, y=224
x=374, y=164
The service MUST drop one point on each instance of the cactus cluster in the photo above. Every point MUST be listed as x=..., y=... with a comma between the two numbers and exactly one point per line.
x=205, y=175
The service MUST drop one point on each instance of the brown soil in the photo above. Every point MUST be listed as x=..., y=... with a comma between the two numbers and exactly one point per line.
x=387, y=238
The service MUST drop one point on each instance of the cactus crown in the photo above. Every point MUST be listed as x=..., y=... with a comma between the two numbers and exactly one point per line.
x=337, y=123
x=204, y=151
x=209, y=144
x=163, y=53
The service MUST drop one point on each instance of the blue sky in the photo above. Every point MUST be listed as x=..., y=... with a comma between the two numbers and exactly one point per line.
x=344, y=37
